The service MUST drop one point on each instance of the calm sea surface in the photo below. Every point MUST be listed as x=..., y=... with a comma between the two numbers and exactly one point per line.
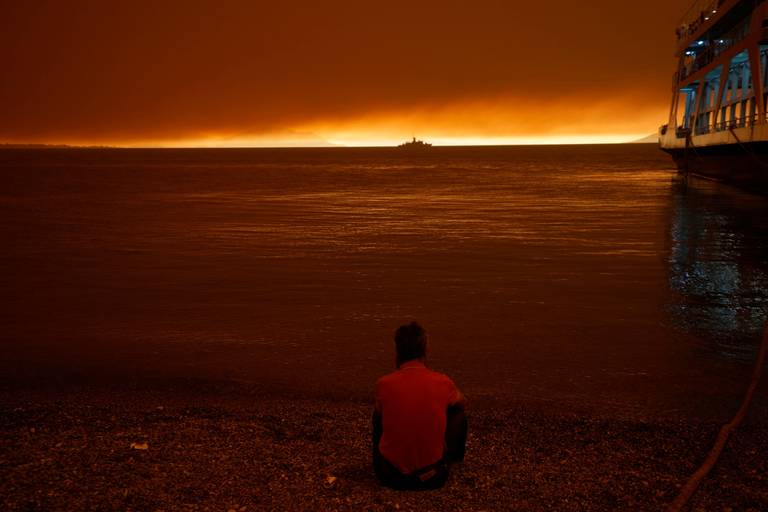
x=582, y=276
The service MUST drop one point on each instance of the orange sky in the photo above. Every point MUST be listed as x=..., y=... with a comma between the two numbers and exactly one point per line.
x=355, y=73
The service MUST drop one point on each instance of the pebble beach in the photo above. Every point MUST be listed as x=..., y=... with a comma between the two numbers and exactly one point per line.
x=215, y=449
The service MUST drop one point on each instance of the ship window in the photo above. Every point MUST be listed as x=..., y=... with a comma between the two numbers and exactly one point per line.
x=738, y=85
x=764, y=64
x=686, y=103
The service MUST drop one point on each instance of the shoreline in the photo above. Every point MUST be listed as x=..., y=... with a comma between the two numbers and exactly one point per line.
x=214, y=449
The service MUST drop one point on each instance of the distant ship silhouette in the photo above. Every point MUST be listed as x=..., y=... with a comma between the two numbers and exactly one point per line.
x=415, y=145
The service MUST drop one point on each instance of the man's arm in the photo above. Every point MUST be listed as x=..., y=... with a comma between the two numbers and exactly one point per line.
x=456, y=398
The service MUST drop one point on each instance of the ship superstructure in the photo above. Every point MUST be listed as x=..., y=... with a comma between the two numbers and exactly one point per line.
x=415, y=145
x=717, y=122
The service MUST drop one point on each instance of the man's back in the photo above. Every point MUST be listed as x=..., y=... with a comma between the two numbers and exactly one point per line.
x=412, y=403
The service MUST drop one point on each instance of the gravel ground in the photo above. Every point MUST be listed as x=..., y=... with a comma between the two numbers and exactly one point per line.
x=90, y=450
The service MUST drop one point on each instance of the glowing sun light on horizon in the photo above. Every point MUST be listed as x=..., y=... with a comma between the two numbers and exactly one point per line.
x=368, y=140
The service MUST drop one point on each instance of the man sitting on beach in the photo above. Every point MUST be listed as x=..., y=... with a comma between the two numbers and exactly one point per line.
x=419, y=425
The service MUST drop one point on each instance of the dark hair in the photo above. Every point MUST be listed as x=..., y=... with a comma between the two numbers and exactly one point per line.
x=410, y=342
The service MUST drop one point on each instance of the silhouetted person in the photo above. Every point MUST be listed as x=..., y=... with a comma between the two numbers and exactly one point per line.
x=419, y=424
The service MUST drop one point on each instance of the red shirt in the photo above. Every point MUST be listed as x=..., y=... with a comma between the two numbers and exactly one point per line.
x=412, y=402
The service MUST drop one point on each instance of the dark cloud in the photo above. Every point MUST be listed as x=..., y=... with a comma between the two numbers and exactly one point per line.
x=127, y=71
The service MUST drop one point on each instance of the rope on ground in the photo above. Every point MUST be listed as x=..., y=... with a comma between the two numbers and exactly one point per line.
x=693, y=482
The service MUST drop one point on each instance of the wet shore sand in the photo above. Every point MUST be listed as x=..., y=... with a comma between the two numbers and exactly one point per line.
x=211, y=448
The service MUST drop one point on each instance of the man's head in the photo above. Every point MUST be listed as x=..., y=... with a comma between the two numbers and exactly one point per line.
x=410, y=342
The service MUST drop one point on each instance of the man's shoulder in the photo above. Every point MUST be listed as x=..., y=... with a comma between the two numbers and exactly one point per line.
x=434, y=374
x=425, y=373
x=386, y=379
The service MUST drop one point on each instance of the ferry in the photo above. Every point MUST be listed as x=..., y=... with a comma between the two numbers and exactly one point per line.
x=717, y=121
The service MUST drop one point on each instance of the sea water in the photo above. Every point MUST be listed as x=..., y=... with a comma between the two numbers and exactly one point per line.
x=585, y=276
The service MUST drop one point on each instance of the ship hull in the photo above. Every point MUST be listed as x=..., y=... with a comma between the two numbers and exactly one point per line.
x=743, y=165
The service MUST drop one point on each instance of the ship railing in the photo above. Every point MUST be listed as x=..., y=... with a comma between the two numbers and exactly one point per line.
x=714, y=48
x=727, y=124
x=702, y=59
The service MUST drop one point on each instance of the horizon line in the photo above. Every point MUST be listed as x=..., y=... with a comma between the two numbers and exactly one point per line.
x=14, y=145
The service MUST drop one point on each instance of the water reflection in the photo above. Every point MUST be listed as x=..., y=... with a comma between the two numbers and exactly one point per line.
x=717, y=265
